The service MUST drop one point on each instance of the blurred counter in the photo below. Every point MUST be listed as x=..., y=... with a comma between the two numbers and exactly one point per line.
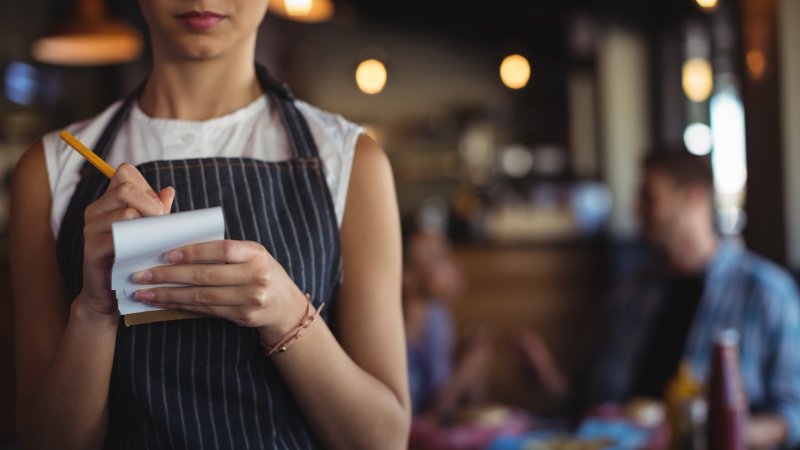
x=553, y=289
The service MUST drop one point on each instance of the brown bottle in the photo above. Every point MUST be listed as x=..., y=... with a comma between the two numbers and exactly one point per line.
x=727, y=404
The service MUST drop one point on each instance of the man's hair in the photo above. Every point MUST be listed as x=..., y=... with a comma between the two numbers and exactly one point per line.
x=680, y=166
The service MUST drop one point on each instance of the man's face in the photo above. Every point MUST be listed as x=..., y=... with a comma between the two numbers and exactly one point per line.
x=661, y=205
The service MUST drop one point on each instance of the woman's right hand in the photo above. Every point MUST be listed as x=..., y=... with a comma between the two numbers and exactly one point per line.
x=128, y=196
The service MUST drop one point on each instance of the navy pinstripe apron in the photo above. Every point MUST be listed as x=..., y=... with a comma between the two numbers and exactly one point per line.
x=207, y=383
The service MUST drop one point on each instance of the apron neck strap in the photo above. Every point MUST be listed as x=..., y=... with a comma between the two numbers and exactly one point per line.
x=300, y=138
x=297, y=130
x=102, y=146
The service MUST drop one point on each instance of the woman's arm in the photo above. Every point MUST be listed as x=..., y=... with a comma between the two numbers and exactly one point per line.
x=63, y=354
x=63, y=357
x=356, y=394
x=354, y=391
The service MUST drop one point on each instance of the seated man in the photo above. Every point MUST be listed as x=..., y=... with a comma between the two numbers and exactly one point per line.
x=670, y=309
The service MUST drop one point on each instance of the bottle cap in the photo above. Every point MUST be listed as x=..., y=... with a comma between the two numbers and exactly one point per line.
x=728, y=337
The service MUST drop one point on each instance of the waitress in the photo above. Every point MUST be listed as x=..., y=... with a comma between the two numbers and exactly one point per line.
x=311, y=218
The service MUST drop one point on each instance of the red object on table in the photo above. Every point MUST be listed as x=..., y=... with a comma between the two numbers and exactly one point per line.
x=428, y=434
x=727, y=403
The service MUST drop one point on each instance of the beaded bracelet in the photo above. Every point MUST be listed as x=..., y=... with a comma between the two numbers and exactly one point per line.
x=295, y=332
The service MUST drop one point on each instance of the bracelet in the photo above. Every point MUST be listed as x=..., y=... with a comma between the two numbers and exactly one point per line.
x=295, y=332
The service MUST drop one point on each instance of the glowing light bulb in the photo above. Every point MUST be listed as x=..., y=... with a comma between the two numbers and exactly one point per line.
x=515, y=71
x=371, y=76
x=698, y=79
x=756, y=64
x=305, y=11
x=698, y=139
x=707, y=4
x=297, y=8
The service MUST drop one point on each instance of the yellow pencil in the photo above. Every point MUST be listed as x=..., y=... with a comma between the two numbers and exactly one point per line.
x=91, y=156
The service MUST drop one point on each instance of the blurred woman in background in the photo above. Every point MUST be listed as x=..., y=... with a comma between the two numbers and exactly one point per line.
x=439, y=382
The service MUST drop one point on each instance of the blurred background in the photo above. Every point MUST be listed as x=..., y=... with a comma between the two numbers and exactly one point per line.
x=517, y=127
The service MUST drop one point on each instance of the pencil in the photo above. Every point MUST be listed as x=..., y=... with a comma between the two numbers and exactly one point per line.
x=91, y=156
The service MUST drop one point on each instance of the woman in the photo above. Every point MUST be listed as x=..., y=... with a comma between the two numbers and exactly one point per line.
x=439, y=383
x=201, y=134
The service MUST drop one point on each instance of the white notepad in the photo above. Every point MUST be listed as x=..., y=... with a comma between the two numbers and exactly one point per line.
x=142, y=243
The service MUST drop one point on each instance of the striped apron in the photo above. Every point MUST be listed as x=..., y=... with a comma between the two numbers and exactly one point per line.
x=207, y=383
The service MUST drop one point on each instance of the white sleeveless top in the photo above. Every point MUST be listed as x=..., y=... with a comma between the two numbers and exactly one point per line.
x=255, y=131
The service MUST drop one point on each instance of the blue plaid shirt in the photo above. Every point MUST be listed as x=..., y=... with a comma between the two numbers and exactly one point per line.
x=742, y=291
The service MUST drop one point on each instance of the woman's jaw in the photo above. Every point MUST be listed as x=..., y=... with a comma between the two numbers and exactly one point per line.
x=197, y=31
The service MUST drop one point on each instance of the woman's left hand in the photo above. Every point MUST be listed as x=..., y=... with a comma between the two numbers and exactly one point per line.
x=235, y=280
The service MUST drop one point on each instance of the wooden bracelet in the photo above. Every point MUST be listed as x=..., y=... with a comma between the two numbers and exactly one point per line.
x=295, y=332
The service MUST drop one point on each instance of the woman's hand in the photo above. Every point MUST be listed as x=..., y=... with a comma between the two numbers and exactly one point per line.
x=128, y=196
x=235, y=280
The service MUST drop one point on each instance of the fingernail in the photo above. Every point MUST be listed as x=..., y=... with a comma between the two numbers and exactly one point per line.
x=142, y=276
x=174, y=256
x=145, y=295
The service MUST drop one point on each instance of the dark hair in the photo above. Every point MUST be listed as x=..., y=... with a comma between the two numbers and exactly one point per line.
x=680, y=166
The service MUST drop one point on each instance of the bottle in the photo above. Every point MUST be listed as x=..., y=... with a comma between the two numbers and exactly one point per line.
x=727, y=404
x=686, y=410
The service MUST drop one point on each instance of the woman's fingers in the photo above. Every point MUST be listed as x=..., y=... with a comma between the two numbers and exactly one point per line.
x=128, y=188
x=166, y=196
x=102, y=248
x=195, y=274
x=127, y=173
x=125, y=195
x=177, y=297
x=225, y=251
x=102, y=223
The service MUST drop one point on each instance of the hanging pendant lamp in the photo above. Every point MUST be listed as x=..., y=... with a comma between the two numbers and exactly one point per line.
x=89, y=38
x=308, y=11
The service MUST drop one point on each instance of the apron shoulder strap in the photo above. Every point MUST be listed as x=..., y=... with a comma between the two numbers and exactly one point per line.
x=103, y=144
x=300, y=137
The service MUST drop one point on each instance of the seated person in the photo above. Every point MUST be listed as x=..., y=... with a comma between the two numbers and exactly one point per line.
x=430, y=281
x=671, y=308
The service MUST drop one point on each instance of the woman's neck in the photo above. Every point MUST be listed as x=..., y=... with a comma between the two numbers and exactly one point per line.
x=200, y=90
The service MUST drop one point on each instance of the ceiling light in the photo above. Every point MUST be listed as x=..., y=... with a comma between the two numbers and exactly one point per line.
x=698, y=79
x=697, y=138
x=371, y=76
x=515, y=71
x=708, y=5
x=89, y=38
x=756, y=64
x=308, y=11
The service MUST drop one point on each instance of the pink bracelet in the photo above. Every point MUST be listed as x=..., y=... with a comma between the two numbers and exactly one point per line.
x=295, y=332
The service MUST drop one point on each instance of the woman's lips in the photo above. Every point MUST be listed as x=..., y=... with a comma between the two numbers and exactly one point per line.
x=200, y=21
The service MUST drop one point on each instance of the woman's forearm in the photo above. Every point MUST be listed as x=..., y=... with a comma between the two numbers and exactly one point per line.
x=69, y=409
x=346, y=406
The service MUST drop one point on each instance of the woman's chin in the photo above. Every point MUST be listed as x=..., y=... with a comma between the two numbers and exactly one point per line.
x=197, y=50
x=200, y=53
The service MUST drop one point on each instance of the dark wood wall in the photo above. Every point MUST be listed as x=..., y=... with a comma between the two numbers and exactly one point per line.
x=766, y=215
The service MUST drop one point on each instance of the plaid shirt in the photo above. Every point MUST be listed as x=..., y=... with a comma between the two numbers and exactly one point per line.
x=742, y=291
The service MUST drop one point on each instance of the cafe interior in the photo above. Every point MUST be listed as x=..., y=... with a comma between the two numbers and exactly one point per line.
x=516, y=132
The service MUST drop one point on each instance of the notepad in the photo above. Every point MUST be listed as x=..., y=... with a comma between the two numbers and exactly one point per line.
x=141, y=244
